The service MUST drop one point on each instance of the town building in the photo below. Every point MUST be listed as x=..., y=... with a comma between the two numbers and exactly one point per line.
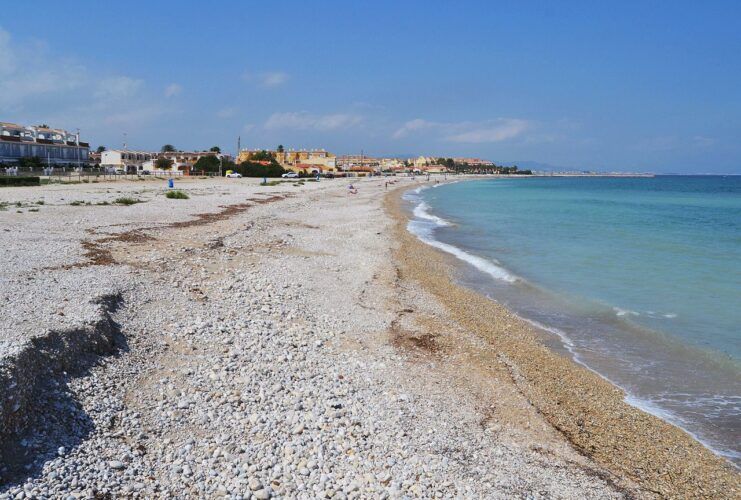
x=184, y=161
x=53, y=147
x=349, y=162
x=125, y=160
x=474, y=162
x=300, y=160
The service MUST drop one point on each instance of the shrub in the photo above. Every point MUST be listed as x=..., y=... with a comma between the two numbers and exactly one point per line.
x=252, y=169
x=126, y=201
x=20, y=181
x=177, y=195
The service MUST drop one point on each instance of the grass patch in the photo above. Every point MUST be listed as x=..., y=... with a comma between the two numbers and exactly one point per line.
x=77, y=203
x=126, y=201
x=270, y=183
x=33, y=209
x=177, y=195
x=102, y=203
x=3, y=205
x=40, y=202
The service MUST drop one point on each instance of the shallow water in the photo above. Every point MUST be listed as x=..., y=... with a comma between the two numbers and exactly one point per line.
x=638, y=278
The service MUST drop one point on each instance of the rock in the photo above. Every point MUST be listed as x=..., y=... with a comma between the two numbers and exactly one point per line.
x=116, y=465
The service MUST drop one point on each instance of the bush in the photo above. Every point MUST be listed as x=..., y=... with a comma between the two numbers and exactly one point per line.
x=251, y=169
x=177, y=195
x=126, y=201
x=20, y=181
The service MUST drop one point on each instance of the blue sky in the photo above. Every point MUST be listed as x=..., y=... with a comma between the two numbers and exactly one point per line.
x=619, y=86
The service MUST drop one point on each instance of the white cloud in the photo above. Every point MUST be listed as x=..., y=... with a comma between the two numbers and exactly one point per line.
x=7, y=59
x=306, y=121
x=172, y=90
x=273, y=78
x=503, y=130
x=415, y=125
x=498, y=130
x=117, y=87
x=133, y=116
x=704, y=142
x=27, y=74
x=226, y=112
x=266, y=78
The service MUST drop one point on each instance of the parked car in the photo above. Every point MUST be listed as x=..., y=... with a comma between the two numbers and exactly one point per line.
x=290, y=175
x=234, y=175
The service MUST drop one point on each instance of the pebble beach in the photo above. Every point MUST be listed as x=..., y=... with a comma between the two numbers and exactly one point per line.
x=290, y=341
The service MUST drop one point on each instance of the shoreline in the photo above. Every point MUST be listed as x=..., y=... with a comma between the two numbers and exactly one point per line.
x=587, y=409
x=271, y=341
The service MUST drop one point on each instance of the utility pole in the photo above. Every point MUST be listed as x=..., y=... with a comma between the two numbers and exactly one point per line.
x=78, y=149
x=221, y=163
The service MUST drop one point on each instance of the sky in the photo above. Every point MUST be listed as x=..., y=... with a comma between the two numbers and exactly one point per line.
x=612, y=86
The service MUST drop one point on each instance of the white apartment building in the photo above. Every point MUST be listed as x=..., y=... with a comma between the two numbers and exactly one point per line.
x=128, y=161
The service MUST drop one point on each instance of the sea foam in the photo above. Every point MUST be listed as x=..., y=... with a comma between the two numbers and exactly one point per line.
x=423, y=227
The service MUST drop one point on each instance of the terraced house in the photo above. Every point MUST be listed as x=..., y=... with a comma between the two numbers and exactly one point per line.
x=54, y=147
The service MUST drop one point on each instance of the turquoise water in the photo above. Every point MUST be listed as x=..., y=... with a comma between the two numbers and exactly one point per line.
x=637, y=278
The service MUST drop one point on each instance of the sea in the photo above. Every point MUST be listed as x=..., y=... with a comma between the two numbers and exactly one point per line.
x=636, y=278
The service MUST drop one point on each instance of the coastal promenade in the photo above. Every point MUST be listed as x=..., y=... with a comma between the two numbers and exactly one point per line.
x=275, y=341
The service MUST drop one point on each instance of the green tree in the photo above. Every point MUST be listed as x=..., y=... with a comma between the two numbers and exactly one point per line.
x=100, y=149
x=215, y=149
x=208, y=163
x=253, y=169
x=163, y=163
x=280, y=148
x=32, y=162
x=168, y=148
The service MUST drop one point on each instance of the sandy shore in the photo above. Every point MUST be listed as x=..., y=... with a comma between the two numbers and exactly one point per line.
x=289, y=341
